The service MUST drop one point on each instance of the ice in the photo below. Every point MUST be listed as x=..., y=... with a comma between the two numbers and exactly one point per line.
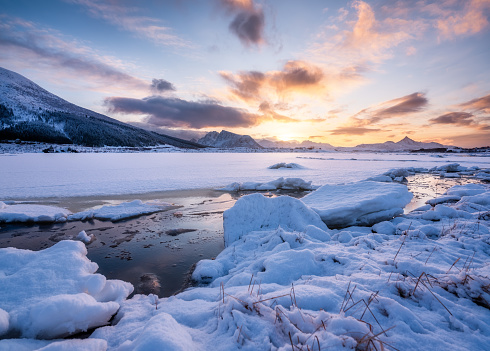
x=122, y=211
x=56, y=292
x=466, y=190
x=89, y=174
x=257, y=212
x=32, y=213
x=280, y=183
x=84, y=238
x=362, y=203
x=443, y=199
x=285, y=165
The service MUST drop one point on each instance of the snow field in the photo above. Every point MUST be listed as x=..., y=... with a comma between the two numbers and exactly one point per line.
x=285, y=280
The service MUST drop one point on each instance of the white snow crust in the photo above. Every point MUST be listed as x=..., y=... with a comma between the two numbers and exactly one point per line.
x=55, y=292
x=122, y=211
x=278, y=184
x=32, y=213
x=280, y=165
x=362, y=203
x=425, y=282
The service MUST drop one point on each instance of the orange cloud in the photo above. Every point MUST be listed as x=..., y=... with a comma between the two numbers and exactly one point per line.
x=472, y=19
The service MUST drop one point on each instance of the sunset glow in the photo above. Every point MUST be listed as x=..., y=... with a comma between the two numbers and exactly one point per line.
x=343, y=73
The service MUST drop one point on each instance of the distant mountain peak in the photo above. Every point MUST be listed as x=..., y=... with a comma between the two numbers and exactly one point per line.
x=226, y=139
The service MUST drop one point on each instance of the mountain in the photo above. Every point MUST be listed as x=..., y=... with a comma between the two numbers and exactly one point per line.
x=406, y=144
x=226, y=139
x=29, y=112
x=294, y=144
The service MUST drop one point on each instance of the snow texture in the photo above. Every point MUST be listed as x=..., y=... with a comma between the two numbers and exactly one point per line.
x=257, y=212
x=122, y=211
x=56, y=292
x=363, y=203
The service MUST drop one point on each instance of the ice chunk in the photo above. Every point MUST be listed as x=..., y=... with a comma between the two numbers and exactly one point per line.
x=286, y=165
x=362, y=203
x=55, y=292
x=61, y=315
x=32, y=213
x=443, y=199
x=122, y=211
x=84, y=238
x=255, y=213
x=280, y=183
x=466, y=190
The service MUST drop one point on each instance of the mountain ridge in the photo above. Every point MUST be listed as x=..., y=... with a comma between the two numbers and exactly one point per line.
x=225, y=139
x=31, y=113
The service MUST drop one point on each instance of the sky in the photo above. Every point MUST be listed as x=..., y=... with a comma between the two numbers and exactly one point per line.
x=337, y=72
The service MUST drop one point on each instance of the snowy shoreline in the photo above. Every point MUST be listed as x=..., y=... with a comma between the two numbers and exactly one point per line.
x=286, y=280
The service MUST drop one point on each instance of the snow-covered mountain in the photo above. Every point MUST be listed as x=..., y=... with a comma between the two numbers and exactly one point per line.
x=226, y=139
x=29, y=112
x=294, y=144
x=406, y=144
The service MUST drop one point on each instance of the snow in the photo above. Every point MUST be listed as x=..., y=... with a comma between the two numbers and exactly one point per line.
x=283, y=278
x=425, y=282
x=285, y=165
x=56, y=292
x=122, y=211
x=256, y=212
x=32, y=213
x=42, y=213
x=25, y=176
x=361, y=203
x=278, y=184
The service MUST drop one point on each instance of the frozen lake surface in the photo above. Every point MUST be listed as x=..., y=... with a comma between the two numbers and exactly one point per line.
x=27, y=176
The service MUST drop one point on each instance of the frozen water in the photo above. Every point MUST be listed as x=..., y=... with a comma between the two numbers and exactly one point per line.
x=32, y=213
x=38, y=175
x=361, y=203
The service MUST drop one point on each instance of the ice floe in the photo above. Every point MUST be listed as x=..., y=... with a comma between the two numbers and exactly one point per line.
x=362, y=203
x=122, y=211
x=32, y=213
x=278, y=184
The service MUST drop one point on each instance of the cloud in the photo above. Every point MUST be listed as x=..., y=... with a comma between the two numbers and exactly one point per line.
x=471, y=19
x=464, y=119
x=161, y=85
x=24, y=41
x=481, y=104
x=173, y=112
x=186, y=134
x=248, y=22
x=398, y=107
x=458, y=118
x=401, y=106
x=269, y=113
x=296, y=77
x=353, y=130
x=126, y=19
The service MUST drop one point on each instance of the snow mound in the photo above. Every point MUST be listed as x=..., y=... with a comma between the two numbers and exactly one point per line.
x=285, y=165
x=56, y=292
x=122, y=211
x=256, y=212
x=32, y=213
x=364, y=203
x=466, y=190
x=278, y=184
